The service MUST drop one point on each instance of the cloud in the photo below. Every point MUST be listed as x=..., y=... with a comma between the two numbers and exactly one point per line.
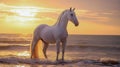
x=18, y=10
x=92, y=15
x=99, y=16
x=5, y=10
x=95, y=16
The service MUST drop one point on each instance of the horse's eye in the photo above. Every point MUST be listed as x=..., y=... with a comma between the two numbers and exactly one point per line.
x=71, y=14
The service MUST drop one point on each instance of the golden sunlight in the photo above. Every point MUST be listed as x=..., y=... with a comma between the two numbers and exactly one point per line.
x=25, y=53
x=25, y=11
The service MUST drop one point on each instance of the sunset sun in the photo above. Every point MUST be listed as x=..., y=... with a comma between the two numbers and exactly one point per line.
x=25, y=11
x=22, y=15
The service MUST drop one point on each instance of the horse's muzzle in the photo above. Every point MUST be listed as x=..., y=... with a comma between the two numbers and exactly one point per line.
x=77, y=24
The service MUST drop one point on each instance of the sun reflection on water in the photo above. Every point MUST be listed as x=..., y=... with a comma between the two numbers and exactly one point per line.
x=25, y=53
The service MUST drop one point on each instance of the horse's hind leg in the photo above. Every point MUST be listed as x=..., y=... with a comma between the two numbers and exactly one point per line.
x=34, y=42
x=45, y=46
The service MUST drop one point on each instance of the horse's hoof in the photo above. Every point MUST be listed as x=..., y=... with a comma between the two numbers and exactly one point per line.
x=60, y=61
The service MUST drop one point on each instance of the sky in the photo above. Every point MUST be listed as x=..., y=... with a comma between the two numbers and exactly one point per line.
x=96, y=17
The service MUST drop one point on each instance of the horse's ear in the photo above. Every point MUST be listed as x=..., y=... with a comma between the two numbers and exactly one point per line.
x=73, y=9
x=70, y=8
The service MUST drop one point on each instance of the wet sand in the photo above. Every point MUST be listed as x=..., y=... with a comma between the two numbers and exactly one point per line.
x=27, y=62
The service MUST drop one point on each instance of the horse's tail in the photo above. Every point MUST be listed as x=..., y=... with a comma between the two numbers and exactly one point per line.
x=36, y=45
x=36, y=49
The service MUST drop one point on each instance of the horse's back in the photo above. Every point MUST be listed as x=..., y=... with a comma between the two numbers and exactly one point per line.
x=39, y=29
x=44, y=32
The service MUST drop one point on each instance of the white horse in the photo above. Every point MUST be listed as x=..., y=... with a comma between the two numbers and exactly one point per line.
x=54, y=34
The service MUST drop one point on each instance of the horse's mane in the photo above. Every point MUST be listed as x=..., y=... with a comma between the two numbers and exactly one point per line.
x=59, y=18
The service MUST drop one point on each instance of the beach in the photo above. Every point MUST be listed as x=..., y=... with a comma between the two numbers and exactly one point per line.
x=81, y=51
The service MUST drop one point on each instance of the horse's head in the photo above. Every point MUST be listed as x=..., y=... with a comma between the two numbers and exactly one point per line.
x=72, y=16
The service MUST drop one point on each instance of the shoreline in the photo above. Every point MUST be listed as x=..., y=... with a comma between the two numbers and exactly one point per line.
x=27, y=61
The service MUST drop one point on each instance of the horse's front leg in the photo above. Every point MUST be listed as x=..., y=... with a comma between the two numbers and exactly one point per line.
x=63, y=48
x=57, y=48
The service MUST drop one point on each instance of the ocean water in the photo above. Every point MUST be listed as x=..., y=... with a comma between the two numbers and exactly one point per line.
x=14, y=49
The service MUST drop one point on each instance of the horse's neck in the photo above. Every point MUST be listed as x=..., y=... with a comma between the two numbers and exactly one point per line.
x=62, y=22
